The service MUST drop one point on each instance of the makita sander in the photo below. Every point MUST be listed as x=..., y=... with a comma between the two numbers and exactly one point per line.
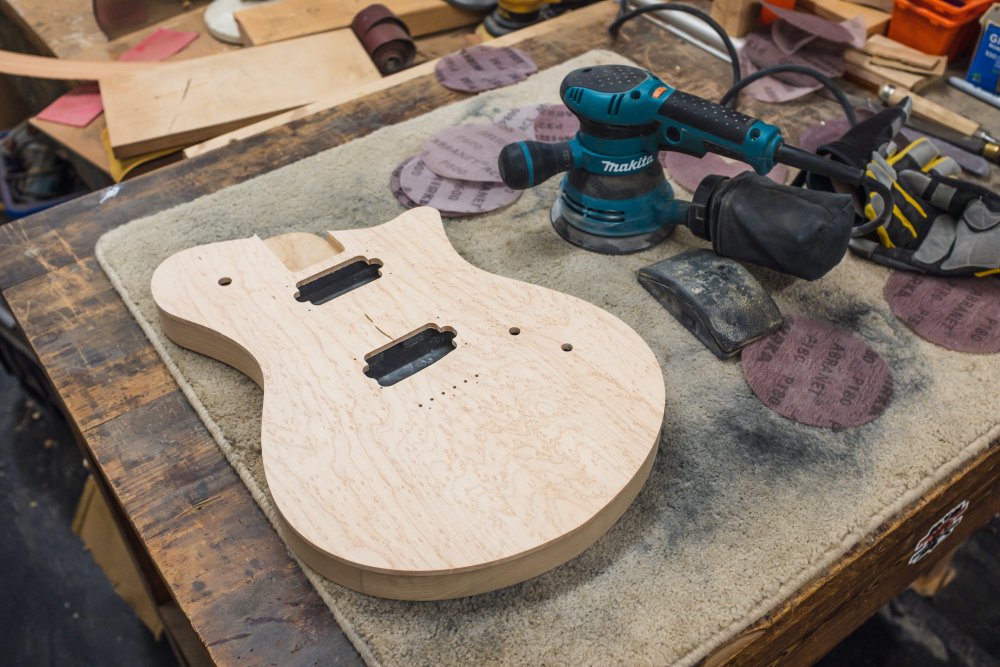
x=615, y=198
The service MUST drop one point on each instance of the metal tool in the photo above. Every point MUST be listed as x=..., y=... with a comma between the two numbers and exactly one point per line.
x=924, y=108
x=614, y=198
x=975, y=145
x=975, y=91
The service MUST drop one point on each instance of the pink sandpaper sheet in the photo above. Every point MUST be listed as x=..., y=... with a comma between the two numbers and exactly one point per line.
x=815, y=373
x=77, y=108
x=160, y=45
x=80, y=106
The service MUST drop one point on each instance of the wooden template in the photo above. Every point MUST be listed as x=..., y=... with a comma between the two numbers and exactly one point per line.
x=294, y=18
x=529, y=427
x=180, y=103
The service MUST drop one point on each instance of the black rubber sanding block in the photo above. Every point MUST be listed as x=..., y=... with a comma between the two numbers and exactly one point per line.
x=715, y=298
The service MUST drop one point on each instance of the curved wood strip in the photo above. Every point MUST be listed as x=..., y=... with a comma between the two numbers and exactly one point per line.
x=40, y=67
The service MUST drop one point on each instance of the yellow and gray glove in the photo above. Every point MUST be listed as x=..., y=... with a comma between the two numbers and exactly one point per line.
x=939, y=224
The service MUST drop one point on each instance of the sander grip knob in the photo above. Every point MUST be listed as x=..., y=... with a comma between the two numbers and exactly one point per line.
x=525, y=164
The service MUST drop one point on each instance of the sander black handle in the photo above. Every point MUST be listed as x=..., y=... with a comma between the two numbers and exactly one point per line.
x=806, y=161
x=525, y=164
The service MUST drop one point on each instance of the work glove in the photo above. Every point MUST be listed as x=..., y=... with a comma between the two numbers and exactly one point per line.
x=938, y=224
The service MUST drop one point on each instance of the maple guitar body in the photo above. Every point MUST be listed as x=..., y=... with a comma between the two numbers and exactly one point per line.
x=430, y=430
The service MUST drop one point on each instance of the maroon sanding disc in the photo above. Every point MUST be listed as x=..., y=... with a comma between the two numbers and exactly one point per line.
x=403, y=198
x=397, y=189
x=828, y=131
x=556, y=123
x=479, y=68
x=961, y=314
x=688, y=171
x=426, y=188
x=522, y=119
x=813, y=25
x=817, y=374
x=469, y=152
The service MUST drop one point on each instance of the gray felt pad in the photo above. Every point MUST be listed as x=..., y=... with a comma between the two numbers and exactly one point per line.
x=743, y=506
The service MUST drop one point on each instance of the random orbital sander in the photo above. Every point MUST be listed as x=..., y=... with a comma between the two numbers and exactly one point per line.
x=615, y=199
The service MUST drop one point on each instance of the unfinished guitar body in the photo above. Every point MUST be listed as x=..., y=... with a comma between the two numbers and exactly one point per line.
x=430, y=430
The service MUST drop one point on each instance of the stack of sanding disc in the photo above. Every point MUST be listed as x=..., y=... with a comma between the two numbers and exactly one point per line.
x=456, y=169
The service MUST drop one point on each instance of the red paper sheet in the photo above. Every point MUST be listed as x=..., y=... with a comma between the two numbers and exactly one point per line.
x=82, y=105
x=160, y=45
x=79, y=107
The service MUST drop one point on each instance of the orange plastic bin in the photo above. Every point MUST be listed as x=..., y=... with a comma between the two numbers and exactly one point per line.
x=937, y=27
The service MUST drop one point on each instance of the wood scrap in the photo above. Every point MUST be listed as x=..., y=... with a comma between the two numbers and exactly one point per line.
x=856, y=62
x=876, y=21
x=296, y=18
x=881, y=5
x=189, y=101
x=41, y=67
x=738, y=17
x=892, y=53
x=567, y=22
x=904, y=67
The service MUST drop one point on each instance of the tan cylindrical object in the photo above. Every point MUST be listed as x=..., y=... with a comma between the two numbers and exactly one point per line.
x=924, y=108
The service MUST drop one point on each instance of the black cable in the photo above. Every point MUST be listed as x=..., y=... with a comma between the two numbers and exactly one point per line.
x=796, y=69
x=739, y=82
x=687, y=9
x=870, y=226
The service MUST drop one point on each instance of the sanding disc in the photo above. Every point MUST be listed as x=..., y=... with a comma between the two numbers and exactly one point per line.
x=556, y=123
x=961, y=314
x=817, y=374
x=426, y=188
x=828, y=131
x=469, y=152
x=479, y=68
x=522, y=119
x=397, y=191
x=688, y=171
x=221, y=22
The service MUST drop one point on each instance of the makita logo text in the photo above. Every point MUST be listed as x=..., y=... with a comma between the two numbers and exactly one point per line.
x=633, y=165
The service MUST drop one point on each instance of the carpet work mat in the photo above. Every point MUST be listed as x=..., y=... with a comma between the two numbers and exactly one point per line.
x=743, y=506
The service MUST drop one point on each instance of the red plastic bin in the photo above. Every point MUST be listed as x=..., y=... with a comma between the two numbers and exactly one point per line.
x=937, y=27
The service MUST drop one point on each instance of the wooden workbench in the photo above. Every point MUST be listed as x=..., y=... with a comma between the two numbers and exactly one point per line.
x=227, y=586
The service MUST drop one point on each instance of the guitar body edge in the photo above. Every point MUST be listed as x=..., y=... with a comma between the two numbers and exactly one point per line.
x=491, y=577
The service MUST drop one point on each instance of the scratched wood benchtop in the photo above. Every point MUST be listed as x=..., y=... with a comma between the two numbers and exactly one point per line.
x=199, y=535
